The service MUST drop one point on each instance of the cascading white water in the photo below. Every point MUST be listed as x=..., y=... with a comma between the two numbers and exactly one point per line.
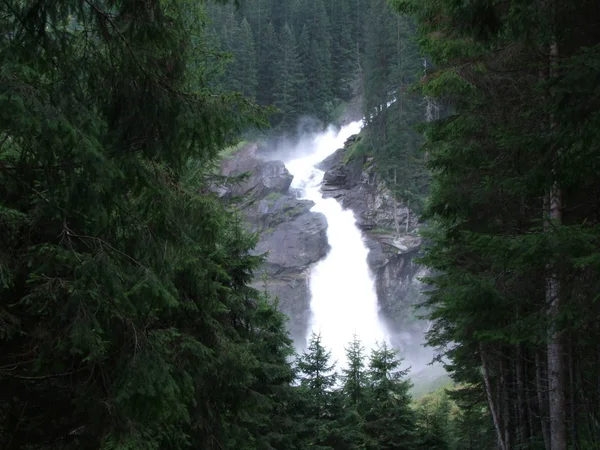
x=343, y=297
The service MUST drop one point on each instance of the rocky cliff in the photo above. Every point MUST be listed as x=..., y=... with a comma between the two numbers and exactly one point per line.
x=391, y=234
x=294, y=238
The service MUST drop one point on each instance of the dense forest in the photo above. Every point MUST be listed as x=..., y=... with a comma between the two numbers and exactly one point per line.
x=126, y=316
x=313, y=58
x=513, y=211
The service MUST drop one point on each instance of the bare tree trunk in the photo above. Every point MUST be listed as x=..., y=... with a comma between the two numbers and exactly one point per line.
x=556, y=391
x=396, y=221
x=522, y=417
x=541, y=394
x=529, y=396
x=360, y=70
x=572, y=398
x=506, y=416
x=556, y=384
x=492, y=403
x=259, y=43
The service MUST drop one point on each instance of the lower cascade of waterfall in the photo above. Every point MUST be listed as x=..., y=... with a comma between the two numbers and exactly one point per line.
x=342, y=286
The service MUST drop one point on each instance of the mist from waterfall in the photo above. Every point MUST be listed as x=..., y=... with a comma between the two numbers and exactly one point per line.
x=342, y=286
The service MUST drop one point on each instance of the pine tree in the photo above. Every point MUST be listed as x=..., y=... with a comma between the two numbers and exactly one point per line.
x=288, y=79
x=319, y=80
x=306, y=65
x=126, y=319
x=354, y=375
x=320, y=401
x=267, y=70
x=343, y=49
x=389, y=420
x=433, y=420
x=350, y=425
x=507, y=250
x=244, y=70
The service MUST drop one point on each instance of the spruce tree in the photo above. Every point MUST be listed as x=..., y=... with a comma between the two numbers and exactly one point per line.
x=433, y=420
x=354, y=375
x=267, y=70
x=317, y=381
x=319, y=80
x=288, y=79
x=511, y=209
x=126, y=319
x=351, y=424
x=245, y=66
x=389, y=420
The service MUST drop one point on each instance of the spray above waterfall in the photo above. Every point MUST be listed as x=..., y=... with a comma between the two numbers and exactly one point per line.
x=342, y=287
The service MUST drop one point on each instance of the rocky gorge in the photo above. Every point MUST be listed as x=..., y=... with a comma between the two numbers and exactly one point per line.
x=294, y=238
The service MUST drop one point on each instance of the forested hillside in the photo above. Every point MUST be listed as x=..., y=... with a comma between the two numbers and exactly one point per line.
x=314, y=58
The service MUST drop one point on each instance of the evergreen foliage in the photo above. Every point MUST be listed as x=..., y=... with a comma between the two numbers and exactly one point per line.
x=125, y=320
x=367, y=408
x=513, y=212
x=126, y=316
x=389, y=420
x=326, y=41
x=289, y=80
x=391, y=110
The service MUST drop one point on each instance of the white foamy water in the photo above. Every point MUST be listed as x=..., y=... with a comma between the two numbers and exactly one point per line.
x=343, y=297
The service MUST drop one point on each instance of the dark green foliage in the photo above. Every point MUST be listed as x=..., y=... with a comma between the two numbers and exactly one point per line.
x=433, y=419
x=391, y=110
x=317, y=380
x=451, y=420
x=289, y=81
x=325, y=41
x=389, y=420
x=245, y=65
x=354, y=375
x=369, y=409
x=125, y=317
x=267, y=73
x=513, y=208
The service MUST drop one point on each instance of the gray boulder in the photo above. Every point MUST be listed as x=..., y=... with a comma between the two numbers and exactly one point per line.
x=264, y=178
x=293, y=246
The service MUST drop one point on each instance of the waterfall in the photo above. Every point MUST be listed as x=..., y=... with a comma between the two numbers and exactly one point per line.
x=342, y=287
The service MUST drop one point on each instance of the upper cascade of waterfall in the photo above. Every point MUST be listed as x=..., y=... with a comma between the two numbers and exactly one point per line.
x=343, y=296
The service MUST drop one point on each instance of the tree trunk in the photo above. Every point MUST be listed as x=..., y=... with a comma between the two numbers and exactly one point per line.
x=522, y=417
x=360, y=71
x=492, y=404
x=541, y=395
x=529, y=397
x=572, y=398
x=556, y=387
x=556, y=391
x=505, y=404
x=396, y=221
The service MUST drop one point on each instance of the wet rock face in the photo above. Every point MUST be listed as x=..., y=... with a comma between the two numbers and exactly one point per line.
x=263, y=178
x=295, y=244
x=292, y=247
x=291, y=237
x=355, y=184
x=294, y=238
x=390, y=234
